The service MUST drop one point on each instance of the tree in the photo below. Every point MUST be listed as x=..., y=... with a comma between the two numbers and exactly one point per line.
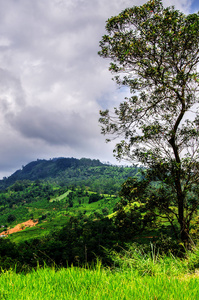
x=154, y=51
x=94, y=197
x=11, y=218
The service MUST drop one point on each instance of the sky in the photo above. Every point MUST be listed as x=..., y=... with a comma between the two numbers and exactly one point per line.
x=52, y=81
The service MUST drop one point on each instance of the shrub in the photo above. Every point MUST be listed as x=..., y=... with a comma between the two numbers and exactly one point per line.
x=11, y=218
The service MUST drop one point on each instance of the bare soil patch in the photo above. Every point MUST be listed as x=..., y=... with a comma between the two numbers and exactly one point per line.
x=19, y=227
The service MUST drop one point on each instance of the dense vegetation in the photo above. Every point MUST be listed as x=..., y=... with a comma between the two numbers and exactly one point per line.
x=70, y=216
x=79, y=225
x=100, y=177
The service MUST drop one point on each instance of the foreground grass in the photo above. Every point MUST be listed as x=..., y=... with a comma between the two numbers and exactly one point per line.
x=96, y=284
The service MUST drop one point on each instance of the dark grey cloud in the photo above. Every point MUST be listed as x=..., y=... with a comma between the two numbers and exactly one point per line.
x=52, y=81
x=55, y=128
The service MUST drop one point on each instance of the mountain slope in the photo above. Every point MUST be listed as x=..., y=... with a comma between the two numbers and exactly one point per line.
x=72, y=171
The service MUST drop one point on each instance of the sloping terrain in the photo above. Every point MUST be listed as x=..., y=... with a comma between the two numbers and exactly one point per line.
x=72, y=171
x=19, y=227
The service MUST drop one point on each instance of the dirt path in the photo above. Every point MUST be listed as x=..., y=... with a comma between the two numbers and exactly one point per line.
x=19, y=227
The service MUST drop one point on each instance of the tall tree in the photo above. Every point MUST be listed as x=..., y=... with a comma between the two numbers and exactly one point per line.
x=154, y=51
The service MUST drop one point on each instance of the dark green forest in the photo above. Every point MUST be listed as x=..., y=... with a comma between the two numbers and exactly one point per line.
x=67, y=172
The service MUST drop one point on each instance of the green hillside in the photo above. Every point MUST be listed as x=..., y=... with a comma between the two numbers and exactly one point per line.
x=78, y=216
x=71, y=171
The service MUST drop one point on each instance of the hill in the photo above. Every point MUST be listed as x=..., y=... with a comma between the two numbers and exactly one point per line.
x=71, y=171
x=42, y=168
x=72, y=203
x=77, y=215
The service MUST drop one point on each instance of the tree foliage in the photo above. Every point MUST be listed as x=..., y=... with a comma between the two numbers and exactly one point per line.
x=154, y=51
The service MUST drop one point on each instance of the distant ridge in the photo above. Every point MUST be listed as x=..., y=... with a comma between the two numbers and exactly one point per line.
x=43, y=169
x=73, y=172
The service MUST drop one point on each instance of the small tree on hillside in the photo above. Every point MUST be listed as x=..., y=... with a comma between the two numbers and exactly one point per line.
x=154, y=51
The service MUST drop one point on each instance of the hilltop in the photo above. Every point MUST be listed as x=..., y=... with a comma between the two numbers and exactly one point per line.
x=72, y=171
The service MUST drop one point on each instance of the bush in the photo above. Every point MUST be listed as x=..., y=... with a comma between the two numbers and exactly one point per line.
x=147, y=261
x=94, y=198
x=193, y=259
x=11, y=218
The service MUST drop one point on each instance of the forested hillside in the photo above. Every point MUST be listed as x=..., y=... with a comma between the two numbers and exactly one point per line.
x=63, y=200
x=103, y=178
x=69, y=211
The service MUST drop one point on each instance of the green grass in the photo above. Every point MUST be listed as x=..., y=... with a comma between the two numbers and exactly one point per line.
x=95, y=284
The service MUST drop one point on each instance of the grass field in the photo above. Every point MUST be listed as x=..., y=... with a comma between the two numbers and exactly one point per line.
x=96, y=284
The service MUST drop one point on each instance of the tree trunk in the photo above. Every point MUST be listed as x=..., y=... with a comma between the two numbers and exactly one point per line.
x=184, y=227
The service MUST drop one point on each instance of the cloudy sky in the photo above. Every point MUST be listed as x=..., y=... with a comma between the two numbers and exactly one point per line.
x=52, y=82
